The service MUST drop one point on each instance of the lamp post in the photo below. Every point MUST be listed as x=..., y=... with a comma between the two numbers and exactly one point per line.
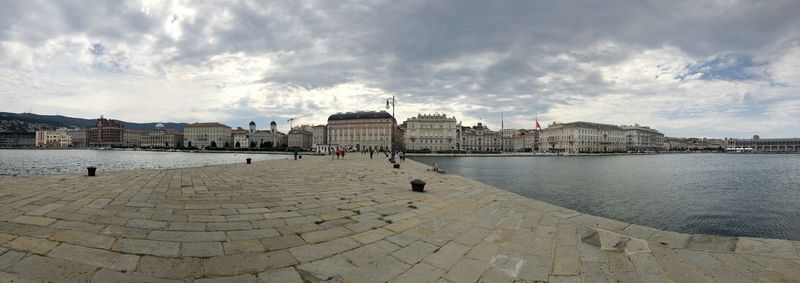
x=391, y=102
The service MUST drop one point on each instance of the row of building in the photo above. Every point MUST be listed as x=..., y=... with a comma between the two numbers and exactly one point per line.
x=378, y=130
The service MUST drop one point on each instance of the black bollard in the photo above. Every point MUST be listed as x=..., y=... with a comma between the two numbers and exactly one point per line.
x=418, y=185
x=396, y=166
x=91, y=170
x=248, y=160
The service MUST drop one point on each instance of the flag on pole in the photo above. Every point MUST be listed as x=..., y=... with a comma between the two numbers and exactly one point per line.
x=538, y=127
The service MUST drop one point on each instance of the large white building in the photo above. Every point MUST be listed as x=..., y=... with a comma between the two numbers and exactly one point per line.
x=361, y=130
x=757, y=144
x=582, y=137
x=268, y=138
x=161, y=137
x=57, y=138
x=202, y=135
x=431, y=131
x=643, y=138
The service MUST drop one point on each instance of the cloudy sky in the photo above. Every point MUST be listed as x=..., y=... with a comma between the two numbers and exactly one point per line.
x=722, y=68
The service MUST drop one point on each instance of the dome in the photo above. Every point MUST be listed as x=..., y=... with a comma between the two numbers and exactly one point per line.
x=273, y=123
x=252, y=123
x=159, y=126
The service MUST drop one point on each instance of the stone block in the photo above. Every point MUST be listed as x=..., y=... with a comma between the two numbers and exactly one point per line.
x=187, y=236
x=138, y=246
x=201, y=249
x=247, y=263
x=32, y=245
x=49, y=269
x=253, y=234
x=83, y=239
x=96, y=257
x=322, y=250
x=415, y=252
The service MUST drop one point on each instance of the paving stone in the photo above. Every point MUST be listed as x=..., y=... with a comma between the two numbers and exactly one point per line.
x=138, y=246
x=415, y=252
x=188, y=236
x=186, y=226
x=42, y=210
x=380, y=270
x=322, y=250
x=176, y=268
x=447, y=255
x=52, y=269
x=229, y=226
x=372, y=236
x=712, y=243
x=405, y=238
x=566, y=261
x=768, y=247
x=676, y=268
x=244, y=246
x=244, y=278
x=648, y=268
x=6, y=237
x=124, y=232
x=9, y=258
x=281, y=214
x=95, y=257
x=466, y=270
x=281, y=275
x=83, y=239
x=473, y=236
x=146, y=224
x=14, y=278
x=369, y=253
x=284, y=242
x=419, y=273
x=295, y=229
x=268, y=223
x=253, y=234
x=326, y=268
x=32, y=245
x=106, y=275
x=326, y=235
x=247, y=263
x=201, y=249
x=711, y=267
x=670, y=239
x=33, y=220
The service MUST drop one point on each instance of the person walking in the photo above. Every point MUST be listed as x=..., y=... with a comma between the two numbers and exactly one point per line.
x=343, y=151
x=370, y=153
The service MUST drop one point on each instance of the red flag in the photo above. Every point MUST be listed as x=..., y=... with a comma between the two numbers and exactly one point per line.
x=538, y=127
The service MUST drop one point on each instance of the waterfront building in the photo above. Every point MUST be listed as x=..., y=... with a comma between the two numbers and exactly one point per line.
x=80, y=138
x=268, y=138
x=757, y=144
x=53, y=139
x=301, y=137
x=202, y=135
x=363, y=130
x=435, y=132
x=133, y=138
x=17, y=139
x=480, y=138
x=106, y=133
x=582, y=137
x=319, y=135
x=643, y=138
x=694, y=144
x=241, y=137
x=530, y=140
x=161, y=137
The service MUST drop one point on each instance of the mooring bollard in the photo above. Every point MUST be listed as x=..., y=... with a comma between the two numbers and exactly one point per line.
x=418, y=185
x=248, y=160
x=396, y=166
x=91, y=170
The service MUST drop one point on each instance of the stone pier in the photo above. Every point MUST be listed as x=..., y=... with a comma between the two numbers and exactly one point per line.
x=353, y=220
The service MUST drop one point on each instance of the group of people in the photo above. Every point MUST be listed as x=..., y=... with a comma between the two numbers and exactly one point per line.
x=341, y=151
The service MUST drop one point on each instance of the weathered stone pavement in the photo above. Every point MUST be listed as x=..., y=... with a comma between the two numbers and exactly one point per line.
x=354, y=220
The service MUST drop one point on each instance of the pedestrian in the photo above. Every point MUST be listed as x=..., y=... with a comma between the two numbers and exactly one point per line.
x=370, y=154
x=343, y=151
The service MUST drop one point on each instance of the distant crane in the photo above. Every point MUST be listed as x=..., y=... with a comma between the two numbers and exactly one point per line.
x=291, y=120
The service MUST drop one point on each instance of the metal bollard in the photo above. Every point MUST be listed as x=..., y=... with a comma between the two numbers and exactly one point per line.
x=91, y=170
x=418, y=185
x=248, y=160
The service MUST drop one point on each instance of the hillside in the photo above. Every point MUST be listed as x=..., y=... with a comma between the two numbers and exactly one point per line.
x=29, y=122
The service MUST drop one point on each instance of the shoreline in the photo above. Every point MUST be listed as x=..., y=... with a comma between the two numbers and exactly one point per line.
x=352, y=220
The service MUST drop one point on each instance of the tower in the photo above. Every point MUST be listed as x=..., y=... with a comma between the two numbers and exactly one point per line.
x=273, y=127
x=252, y=127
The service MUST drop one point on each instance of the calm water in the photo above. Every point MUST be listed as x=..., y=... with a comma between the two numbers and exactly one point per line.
x=722, y=194
x=35, y=162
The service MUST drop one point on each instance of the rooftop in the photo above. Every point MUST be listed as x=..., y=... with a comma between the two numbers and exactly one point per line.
x=360, y=115
x=207, y=124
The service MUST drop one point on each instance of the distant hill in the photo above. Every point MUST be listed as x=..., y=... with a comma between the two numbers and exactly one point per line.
x=29, y=122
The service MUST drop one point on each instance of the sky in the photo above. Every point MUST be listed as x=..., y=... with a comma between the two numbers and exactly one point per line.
x=716, y=68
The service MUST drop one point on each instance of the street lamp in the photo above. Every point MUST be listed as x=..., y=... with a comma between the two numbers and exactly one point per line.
x=391, y=102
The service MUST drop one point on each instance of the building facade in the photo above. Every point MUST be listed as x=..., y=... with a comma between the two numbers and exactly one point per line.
x=203, y=135
x=161, y=137
x=268, y=138
x=17, y=139
x=106, y=133
x=480, y=138
x=643, y=138
x=431, y=131
x=757, y=144
x=133, y=138
x=80, y=138
x=53, y=139
x=362, y=130
x=301, y=137
x=241, y=137
x=582, y=137
x=319, y=135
